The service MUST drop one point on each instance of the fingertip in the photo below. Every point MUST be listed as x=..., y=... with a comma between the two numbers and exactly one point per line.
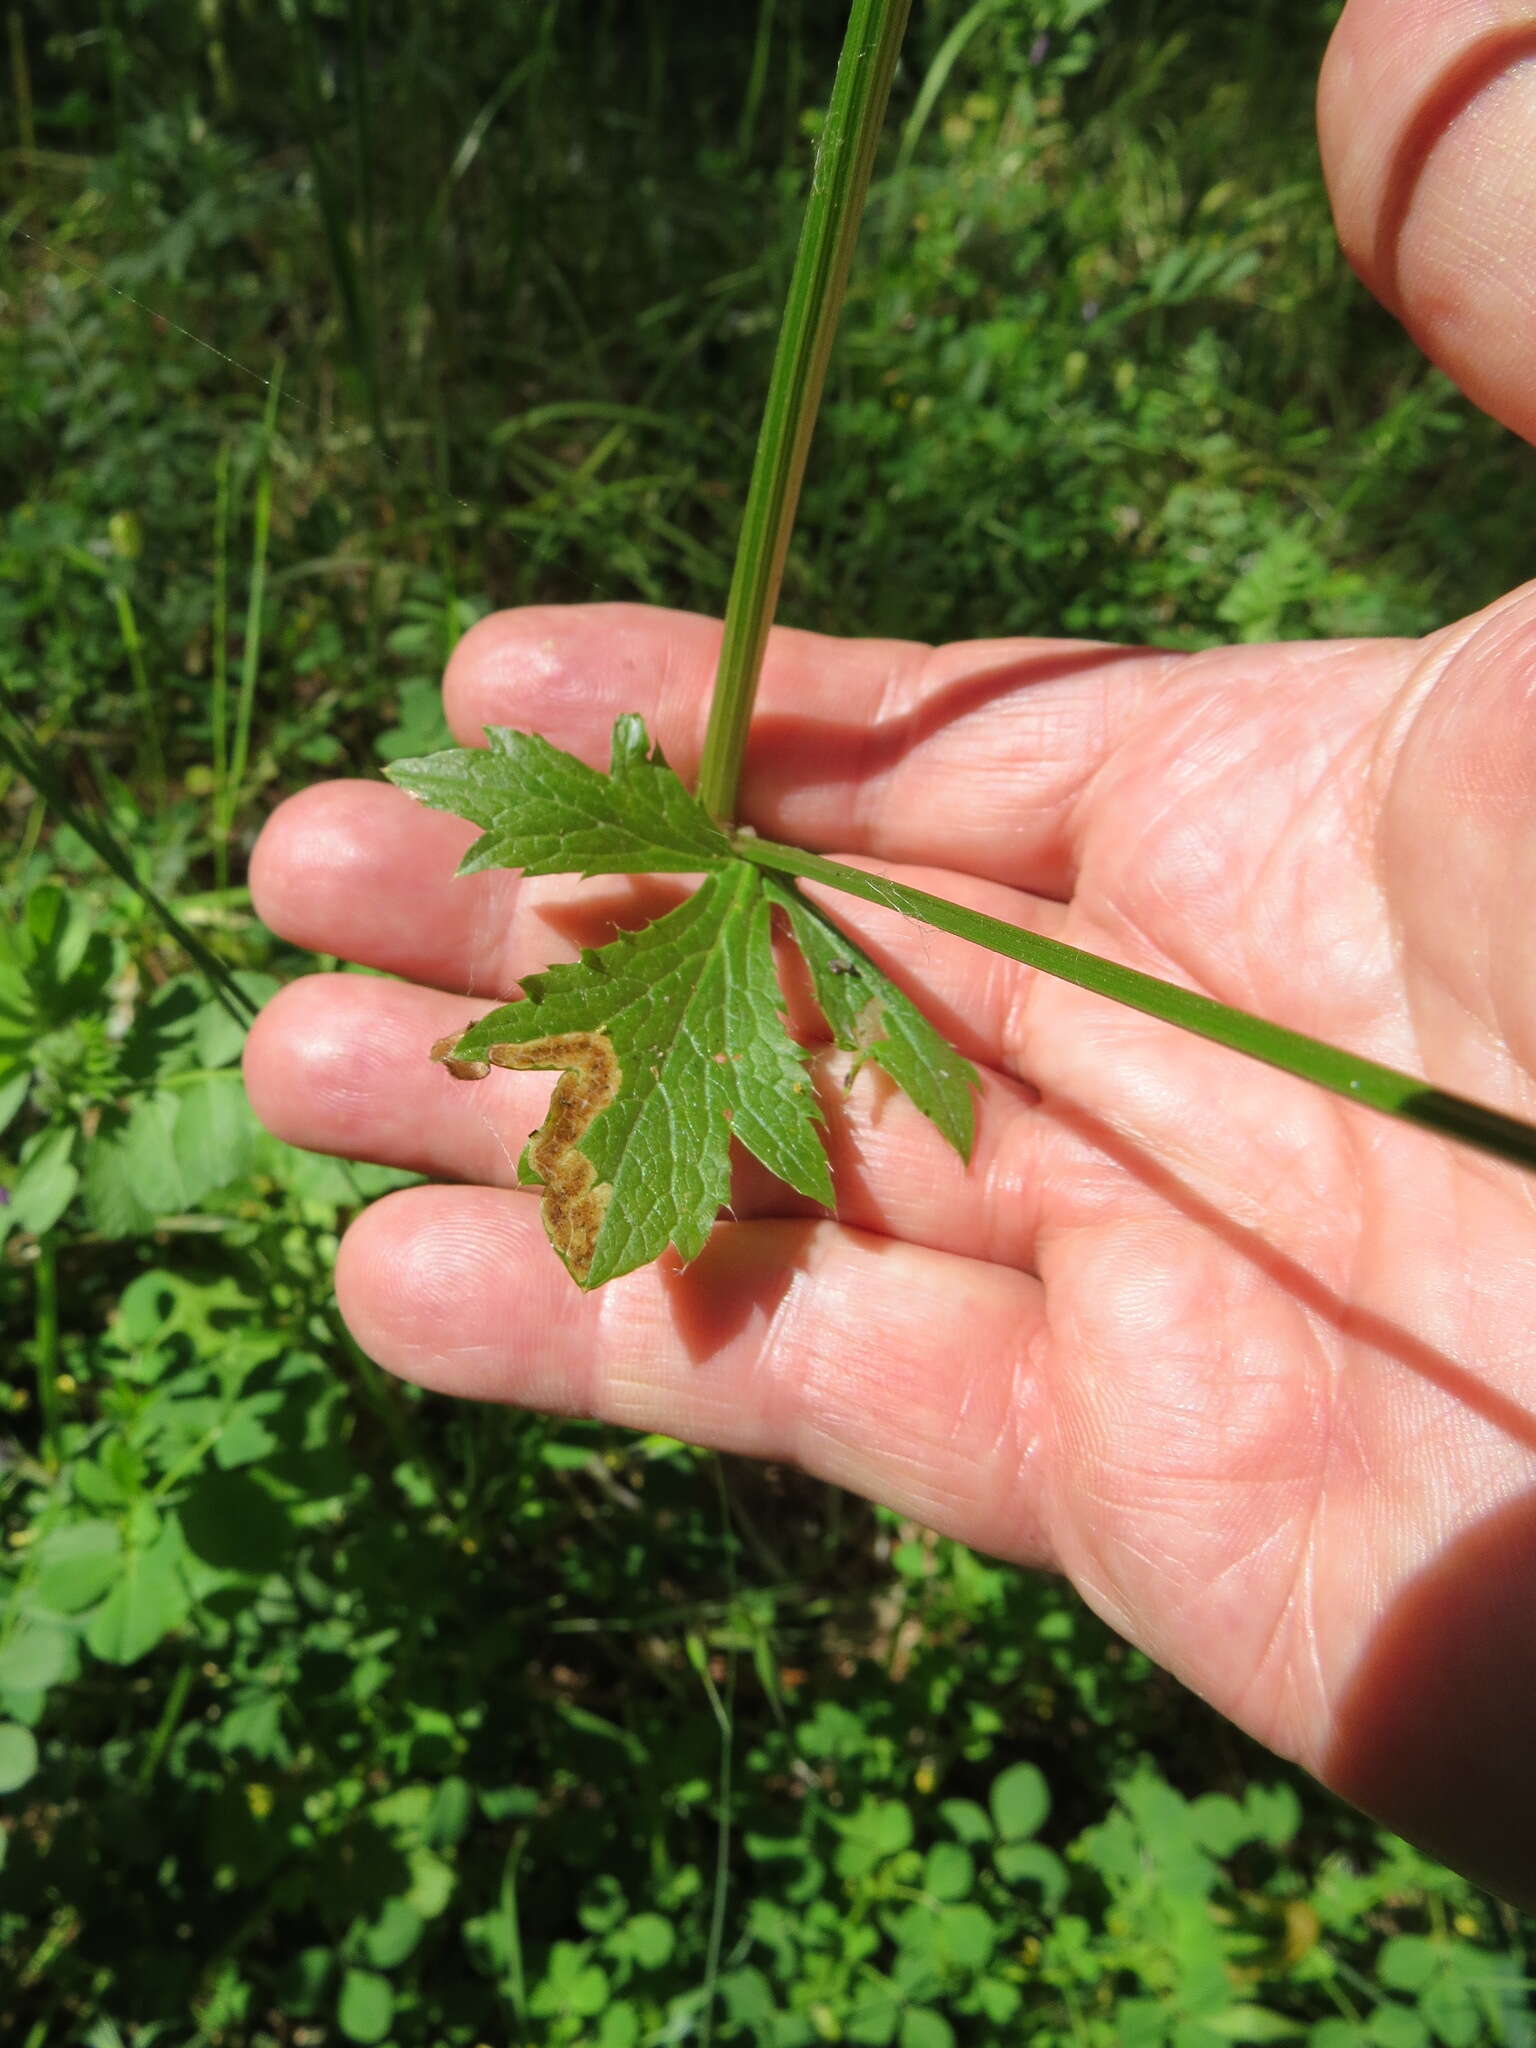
x=298, y=836
x=300, y=1055
x=1426, y=119
x=567, y=671
x=458, y=1290
x=336, y=854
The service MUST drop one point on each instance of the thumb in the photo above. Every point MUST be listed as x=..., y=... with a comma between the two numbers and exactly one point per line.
x=1427, y=122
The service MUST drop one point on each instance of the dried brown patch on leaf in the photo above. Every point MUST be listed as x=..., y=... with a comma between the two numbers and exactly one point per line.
x=461, y=1070
x=575, y=1202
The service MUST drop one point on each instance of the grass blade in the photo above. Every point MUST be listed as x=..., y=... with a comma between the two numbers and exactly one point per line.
x=1293, y=1052
x=16, y=748
x=228, y=799
x=219, y=701
x=838, y=186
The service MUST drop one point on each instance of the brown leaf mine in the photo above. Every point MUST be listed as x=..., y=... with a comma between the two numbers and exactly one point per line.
x=574, y=1203
x=461, y=1070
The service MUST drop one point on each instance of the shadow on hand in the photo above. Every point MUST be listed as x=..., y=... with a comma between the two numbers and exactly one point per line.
x=742, y=1277
x=607, y=905
x=1357, y=1325
x=789, y=751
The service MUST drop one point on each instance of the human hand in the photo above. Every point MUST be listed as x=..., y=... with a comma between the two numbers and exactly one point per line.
x=1252, y=1366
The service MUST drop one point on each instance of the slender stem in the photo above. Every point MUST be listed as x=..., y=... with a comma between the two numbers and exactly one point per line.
x=133, y=648
x=515, y=1985
x=250, y=653
x=21, y=82
x=1359, y=1080
x=219, y=702
x=165, y=1728
x=46, y=1342
x=838, y=186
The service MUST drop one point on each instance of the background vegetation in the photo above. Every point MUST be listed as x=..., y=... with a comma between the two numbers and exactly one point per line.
x=333, y=1713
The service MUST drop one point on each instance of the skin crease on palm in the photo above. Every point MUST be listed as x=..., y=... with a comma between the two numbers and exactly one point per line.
x=1253, y=1367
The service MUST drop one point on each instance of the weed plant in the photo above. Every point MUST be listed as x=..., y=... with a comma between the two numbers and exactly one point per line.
x=330, y=1712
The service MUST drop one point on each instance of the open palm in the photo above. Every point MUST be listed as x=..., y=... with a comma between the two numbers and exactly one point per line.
x=1253, y=1366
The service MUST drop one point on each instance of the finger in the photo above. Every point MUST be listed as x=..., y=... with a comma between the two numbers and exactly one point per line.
x=804, y=1342
x=360, y=871
x=340, y=1064
x=971, y=757
x=1427, y=121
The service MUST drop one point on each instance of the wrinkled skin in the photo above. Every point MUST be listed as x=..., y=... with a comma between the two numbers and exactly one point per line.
x=1255, y=1368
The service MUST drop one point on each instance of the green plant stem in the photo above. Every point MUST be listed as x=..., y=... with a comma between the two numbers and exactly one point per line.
x=839, y=183
x=218, y=709
x=133, y=649
x=21, y=85
x=166, y=1726
x=228, y=801
x=45, y=1326
x=1293, y=1052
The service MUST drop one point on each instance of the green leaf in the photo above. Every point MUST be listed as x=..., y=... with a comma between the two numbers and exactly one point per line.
x=1274, y=1813
x=1396, y=2026
x=1033, y=1863
x=131, y=1175
x=948, y=1872
x=303, y=1980
x=877, y=1829
x=34, y=1658
x=1453, y=2013
x=1408, y=1962
x=570, y=1984
x=547, y=813
x=18, y=1756
x=746, y=1997
x=870, y=1016
x=47, y=1181
x=391, y=1935
x=873, y=2020
x=76, y=1565
x=365, y=2006
x=967, y=1936
x=15, y=1081
x=1252, y=2023
x=232, y=1521
x=998, y=1998
x=149, y=1599
x=619, y=2027
x=215, y=1134
x=1020, y=1800
x=922, y=2027
x=646, y=1939
x=432, y=1883
x=670, y=1042
x=967, y=1820
x=219, y=1038
x=1219, y=1823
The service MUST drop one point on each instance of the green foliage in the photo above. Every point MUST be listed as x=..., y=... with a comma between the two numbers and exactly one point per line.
x=672, y=1035
x=329, y=1711
x=547, y=813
